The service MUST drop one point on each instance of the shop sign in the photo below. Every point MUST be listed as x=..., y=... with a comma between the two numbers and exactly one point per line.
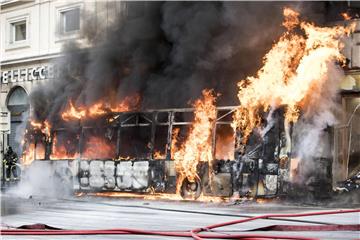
x=27, y=74
x=4, y=120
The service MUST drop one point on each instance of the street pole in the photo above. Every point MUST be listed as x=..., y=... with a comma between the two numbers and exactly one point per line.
x=2, y=158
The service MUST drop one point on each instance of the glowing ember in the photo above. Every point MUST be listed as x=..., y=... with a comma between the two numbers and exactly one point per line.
x=296, y=66
x=346, y=16
x=197, y=146
x=159, y=155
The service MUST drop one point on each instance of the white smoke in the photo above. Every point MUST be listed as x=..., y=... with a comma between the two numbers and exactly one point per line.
x=311, y=138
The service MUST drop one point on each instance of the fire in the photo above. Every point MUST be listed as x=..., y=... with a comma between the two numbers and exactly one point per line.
x=96, y=147
x=225, y=147
x=31, y=153
x=99, y=109
x=159, y=155
x=28, y=155
x=197, y=146
x=31, y=150
x=44, y=127
x=60, y=151
x=174, y=141
x=153, y=196
x=346, y=16
x=73, y=113
x=296, y=66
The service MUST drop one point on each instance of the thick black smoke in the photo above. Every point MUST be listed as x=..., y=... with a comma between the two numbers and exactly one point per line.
x=165, y=52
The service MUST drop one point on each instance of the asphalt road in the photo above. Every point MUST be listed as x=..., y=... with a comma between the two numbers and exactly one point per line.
x=105, y=213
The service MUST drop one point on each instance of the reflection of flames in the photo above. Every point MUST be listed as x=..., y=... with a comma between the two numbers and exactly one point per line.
x=294, y=163
x=197, y=146
x=295, y=67
x=99, y=109
x=264, y=200
x=28, y=155
x=31, y=153
x=60, y=151
x=154, y=196
x=96, y=147
x=225, y=147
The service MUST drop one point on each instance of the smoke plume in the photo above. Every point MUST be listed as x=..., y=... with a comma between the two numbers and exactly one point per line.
x=165, y=52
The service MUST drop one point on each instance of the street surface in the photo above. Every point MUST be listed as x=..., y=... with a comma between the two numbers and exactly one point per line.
x=105, y=213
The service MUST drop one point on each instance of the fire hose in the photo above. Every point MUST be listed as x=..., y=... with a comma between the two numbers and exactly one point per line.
x=194, y=233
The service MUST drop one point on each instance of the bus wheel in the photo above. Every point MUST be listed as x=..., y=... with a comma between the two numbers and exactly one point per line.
x=190, y=190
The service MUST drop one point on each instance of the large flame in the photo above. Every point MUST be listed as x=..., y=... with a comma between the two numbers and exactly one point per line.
x=296, y=66
x=44, y=127
x=197, y=146
x=99, y=109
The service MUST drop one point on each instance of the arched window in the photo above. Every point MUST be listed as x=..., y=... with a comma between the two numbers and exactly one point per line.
x=17, y=97
x=18, y=105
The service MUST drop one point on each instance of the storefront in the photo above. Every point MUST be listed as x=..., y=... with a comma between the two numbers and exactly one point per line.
x=17, y=82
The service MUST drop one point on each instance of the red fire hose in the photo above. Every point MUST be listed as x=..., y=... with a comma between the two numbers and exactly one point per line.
x=195, y=233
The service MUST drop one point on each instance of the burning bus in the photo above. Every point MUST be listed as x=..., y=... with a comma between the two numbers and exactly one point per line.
x=278, y=137
x=188, y=151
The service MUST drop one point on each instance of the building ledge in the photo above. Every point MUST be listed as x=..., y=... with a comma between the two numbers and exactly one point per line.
x=30, y=59
x=10, y=3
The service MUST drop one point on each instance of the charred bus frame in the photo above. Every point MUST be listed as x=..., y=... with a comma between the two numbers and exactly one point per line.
x=249, y=174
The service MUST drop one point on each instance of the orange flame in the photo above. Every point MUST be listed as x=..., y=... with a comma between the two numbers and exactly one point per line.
x=44, y=127
x=197, y=146
x=174, y=141
x=73, y=113
x=159, y=155
x=295, y=67
x=99, y=109
x=346, y=16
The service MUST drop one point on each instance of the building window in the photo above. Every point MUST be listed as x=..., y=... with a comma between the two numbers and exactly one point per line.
x=70, y=20
x=18, y=31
